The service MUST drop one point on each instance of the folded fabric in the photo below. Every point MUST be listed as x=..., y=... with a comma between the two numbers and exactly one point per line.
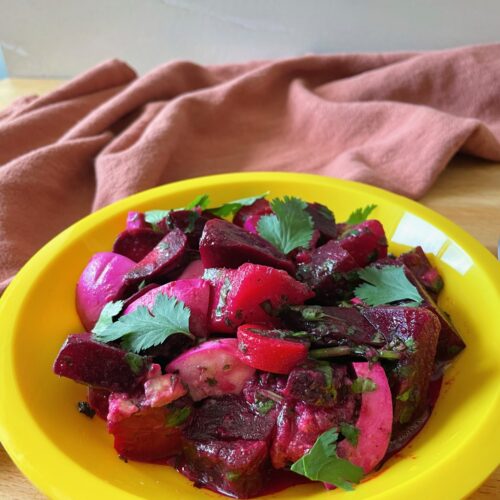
x=392, y=120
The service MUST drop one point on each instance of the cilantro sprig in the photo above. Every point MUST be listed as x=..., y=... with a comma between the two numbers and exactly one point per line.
x=141, y=329
x=386, y=285
x=289, y=227
x=322, y=463
x=360, y=214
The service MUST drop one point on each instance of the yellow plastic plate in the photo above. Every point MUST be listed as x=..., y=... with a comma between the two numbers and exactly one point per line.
x=67, y=455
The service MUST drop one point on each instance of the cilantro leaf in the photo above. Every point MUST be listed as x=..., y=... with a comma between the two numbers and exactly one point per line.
x=289, y=227
x=177, y=416
x=360, y=214
x=108, y=312
x=321, y=463
x=232, y=207
x=385, y=285
x=202, y=201
x=154, y=217
x=350, y=432
x=362, y=384
x=141, y=330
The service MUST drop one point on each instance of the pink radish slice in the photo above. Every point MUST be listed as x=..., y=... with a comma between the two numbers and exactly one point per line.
x=194, y=269
x=101, y=281
x=195, y=293
x=212, y=369
x=374, y=422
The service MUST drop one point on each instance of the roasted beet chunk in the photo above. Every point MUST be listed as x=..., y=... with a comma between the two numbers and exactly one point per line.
x=366, y=242
x=323, y=221
x=332, y=326
x=231, y=417
x=331, y=273
x=98, y=400
x=149, y=433
x=316, y=383
x=191, y=222
x=169, y=254
x=102, y=366
x=234, y=468
x=414, y=333
x=224, y=244
x=419, y=265
x=256, y=209
x=136, y=243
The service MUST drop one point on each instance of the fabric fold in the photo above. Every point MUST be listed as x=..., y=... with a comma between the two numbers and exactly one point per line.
x=392, y=120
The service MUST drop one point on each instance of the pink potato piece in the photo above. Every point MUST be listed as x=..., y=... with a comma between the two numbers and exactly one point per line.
x=194, y=269
x=213, y=368
x=102, y=281
x=195, y=294
x=374, y=421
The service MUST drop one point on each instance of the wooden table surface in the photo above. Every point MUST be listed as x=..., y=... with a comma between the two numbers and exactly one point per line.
x=468, y=193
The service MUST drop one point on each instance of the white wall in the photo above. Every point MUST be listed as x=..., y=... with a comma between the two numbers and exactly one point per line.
x=58, y=38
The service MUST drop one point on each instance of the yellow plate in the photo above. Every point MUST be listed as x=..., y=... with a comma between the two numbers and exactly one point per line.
x=67, y=455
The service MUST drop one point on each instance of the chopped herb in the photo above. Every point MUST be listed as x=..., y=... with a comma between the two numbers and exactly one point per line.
x=313, y=314
x=410, y=344
x=201, y=201
x=226, y=367
x=141, y=330
x=142, y=284
x=350, y=432
x=321, y=463
x=154, y=217
x=232, y=476
x=289, y=227
x=362, y=384
x=84, y=408
x=385, y=285
x=212, y=382
x=109, y=311
x=177, y=416
x=232, y=207
x=360, y=214
x=224, y=292
x=405, y=396
x=135, y=362
x=263, y=407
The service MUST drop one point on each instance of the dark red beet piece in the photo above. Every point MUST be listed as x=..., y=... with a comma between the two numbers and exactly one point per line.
x=366, y=242
x=102, y=366
x=98, y=401
x=224, y=244
x=323, y=221
x=147, y=434
x=309, y=383
x=299, y=424
x=169, y=254
x=191, y=222
x=414, y=331
x=331, y=273
x=332, y=326
x=235, y=468
x=419, y=265
x=230, y=417
x=136, y=243
x=258, y=208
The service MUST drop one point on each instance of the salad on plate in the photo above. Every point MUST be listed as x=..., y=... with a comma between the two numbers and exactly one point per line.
x=259, y=344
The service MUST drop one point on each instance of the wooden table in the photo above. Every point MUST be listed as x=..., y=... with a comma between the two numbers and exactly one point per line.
x=468, y=193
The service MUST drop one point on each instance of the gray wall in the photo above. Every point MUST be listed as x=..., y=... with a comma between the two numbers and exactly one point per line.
x=58, y=38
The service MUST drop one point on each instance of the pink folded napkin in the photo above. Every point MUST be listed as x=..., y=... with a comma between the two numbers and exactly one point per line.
x=392, y=120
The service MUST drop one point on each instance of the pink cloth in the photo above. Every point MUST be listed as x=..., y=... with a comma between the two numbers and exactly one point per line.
x=393, y=120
